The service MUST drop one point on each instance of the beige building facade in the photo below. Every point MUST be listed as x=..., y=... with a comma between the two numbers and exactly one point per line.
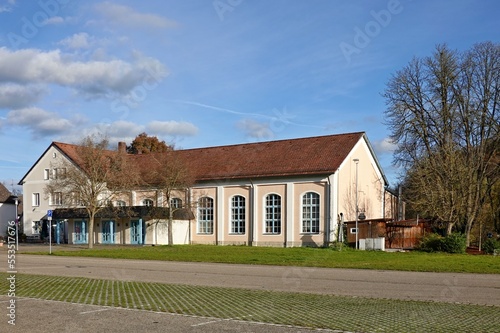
x=280, y=193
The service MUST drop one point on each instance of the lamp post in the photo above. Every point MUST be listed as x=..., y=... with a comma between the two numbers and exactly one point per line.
x=16, y=201
x=357, y=231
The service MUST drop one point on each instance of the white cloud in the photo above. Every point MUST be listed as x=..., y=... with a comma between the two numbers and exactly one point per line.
x=40, y=122
x=171, y=128
x=384, y=146
x=54, y=20
x=255, y=129
x=126, y=16
x=15, y=96
x=81, y=40
x=95, y=78
x=7, y=7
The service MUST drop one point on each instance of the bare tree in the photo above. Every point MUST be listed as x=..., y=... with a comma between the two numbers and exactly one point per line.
x=167, y=174
x=443, y=114
x=91, y=178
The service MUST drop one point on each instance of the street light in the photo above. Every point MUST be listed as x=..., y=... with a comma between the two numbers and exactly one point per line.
x=16, y=201
x=357, y=231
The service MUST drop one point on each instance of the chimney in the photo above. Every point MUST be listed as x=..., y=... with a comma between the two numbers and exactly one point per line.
x=122, y=147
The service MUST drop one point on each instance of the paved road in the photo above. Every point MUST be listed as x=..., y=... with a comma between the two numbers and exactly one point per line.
x=444, y=287
x=42, y=316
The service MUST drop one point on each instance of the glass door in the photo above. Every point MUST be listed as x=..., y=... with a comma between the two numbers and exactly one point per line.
x=108, y=232
x=80, y=235
x=136, y=232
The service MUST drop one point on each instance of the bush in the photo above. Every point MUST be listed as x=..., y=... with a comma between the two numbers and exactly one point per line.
x=491, y=245
x=430, y=243
x=454, y=243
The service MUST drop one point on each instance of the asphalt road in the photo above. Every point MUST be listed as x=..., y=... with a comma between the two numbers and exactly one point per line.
x=481, y=289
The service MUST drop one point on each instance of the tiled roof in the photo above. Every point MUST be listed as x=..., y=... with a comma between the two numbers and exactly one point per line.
x=319, y=155
x=4, y=193
x=294, y=157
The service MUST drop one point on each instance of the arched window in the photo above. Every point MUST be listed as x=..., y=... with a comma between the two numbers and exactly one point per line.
x=120, y=203
x=238, y=214
x=310, y=213
x=147, y=202
x=206, y=215
x=273, y=214
x=175, y=203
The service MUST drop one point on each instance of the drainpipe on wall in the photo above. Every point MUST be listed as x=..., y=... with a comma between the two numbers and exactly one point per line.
x=251, y=215
x=188, y=201
x=328, y=226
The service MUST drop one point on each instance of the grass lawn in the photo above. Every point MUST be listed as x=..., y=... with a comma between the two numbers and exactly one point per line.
x=299, y=256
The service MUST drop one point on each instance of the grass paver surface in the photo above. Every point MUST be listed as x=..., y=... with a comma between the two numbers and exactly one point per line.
x=353, y=314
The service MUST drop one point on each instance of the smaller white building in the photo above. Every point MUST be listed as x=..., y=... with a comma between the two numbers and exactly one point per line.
x=8, y=210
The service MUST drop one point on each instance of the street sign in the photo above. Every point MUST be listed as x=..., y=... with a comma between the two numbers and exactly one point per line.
x=49, y=215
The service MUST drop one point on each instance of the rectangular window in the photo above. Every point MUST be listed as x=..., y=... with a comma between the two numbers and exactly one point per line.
x=37, y=227
x=46, y=174
x=35, y=199
x=58, y=173
x=206, y=216
x=55, y=199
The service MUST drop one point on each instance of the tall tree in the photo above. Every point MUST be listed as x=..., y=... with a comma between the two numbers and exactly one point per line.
x=442, y=111
x=92, y=178
x=145, y=144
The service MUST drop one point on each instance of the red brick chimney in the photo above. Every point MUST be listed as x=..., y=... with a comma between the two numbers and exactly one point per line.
x=122, y=147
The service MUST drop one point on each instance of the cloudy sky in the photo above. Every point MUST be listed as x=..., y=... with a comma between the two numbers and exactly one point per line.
x=200, y=73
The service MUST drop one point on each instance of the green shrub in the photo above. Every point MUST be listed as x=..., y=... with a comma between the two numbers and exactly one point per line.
x=454, y=243
x=430, y=243
x=491, y=245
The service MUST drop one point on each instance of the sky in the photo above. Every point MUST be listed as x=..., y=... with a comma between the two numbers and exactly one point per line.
x=200, y=73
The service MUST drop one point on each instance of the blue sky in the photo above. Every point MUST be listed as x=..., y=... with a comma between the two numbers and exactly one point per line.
x=200, y=73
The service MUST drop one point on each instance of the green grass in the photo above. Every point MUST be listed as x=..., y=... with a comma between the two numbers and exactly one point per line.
x=284, y=308
x=299, y=256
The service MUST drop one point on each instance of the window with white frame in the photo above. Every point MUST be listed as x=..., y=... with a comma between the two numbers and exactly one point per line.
x=147, y=202
x=58, y=173
x=310, y=213
x=238, y=214
x=120, y=203
x=206, y=216
x=55, y=199
x=35, y=199
x=46, y=174
x=37, y=227
x=175, y=203
x=76, y=199
x=273, y=214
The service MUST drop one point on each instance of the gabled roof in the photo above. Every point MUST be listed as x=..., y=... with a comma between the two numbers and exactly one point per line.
x=295, y=157
x=321, y=155
x=4, y=193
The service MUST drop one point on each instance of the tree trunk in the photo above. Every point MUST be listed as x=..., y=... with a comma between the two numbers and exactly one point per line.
x=169, y=226
x=91, y=232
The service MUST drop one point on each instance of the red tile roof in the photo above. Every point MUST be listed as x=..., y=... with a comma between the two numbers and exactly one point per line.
x=294, y=157
x=319, y=155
